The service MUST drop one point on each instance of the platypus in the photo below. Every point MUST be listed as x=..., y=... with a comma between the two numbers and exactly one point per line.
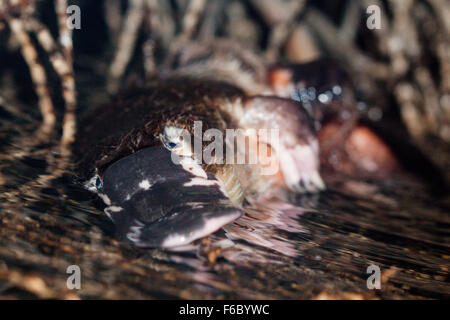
x=127, y=147
x=138, y=155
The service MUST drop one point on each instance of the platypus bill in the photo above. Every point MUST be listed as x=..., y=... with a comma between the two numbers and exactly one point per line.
x=126, y=155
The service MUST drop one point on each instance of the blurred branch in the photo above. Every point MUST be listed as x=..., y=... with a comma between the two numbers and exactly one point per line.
x=113, y=17
x=37, y=73
x=343, y=48
x=301, y=46
x=39, y=79
x=19, y=16
x=442, y=10
x=275, y=12
x=280, y=16
x=209, y=25
x=153, y=21
x=191, y=18
x=352, y=17
x=126, y=44
x=64, y=68
x=430, y=98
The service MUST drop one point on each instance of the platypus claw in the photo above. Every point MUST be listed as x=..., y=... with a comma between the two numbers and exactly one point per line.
x=310, y=183
x=300, y=170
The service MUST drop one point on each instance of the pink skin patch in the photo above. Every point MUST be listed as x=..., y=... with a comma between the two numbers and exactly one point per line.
x=297, y=149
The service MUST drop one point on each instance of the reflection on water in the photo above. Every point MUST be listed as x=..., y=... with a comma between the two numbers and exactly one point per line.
x=308, y=247
x=267, y=223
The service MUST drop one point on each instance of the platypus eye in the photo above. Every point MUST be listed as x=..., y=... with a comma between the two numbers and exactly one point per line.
x=98, y=183
x=171, y=145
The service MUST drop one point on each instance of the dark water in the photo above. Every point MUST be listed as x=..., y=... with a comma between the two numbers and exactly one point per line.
x=310, y=247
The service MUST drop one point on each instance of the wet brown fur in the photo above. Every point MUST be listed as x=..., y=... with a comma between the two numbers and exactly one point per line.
x=136, y=117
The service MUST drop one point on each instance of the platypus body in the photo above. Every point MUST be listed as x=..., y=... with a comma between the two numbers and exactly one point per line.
x=127, y=151
x=138, y=153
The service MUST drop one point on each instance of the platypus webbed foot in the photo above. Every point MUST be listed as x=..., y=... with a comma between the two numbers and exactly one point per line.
x=296, y=148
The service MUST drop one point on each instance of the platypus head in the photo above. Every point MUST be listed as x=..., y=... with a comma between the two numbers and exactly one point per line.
x=128, y=150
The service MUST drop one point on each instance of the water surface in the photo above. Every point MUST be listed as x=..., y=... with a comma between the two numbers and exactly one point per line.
x=308, y=247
